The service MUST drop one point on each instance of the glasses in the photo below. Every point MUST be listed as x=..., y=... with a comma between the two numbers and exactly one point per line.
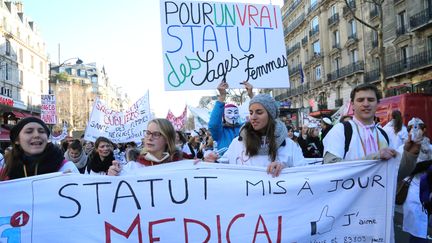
x=155, y=135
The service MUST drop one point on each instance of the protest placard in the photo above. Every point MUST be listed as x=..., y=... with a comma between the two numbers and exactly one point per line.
x=118, y=126
x=183, y=202
x=207, y=42
x=48, y=109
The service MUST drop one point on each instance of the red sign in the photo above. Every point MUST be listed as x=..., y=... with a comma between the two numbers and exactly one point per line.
x=6, y=101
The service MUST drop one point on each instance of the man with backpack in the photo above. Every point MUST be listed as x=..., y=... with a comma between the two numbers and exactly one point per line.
x=363, y=138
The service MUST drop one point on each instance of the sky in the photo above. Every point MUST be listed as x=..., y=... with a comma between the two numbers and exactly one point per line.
x=122, y=36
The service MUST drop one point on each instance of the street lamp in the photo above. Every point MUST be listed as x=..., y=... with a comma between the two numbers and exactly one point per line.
x=78, y=62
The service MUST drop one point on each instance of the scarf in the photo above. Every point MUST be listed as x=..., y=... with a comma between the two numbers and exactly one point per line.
x=97, y=165
x=79, y=162
x=50, y=160
x=280, y=133
x=366, y=135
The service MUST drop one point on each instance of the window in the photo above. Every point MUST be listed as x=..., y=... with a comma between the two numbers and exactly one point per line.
x=32, y=61
x=316, y=47
x=333, y=10
x=353, y=28
x=7, y=71
x=401, y=22
x=318, y=72
x=374, y=39
x=336, y=40
x=314, y=23
x=41, y=69
x=429, y=43
x=338, y=92
x=354, y=56
x=404, y=55
x=21, y=76
x=337, y=63
x=8, y=48
x=21, y=56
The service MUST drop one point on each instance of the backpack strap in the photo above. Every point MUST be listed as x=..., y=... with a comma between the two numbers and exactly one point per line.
x=384, y=134
x=348, y=135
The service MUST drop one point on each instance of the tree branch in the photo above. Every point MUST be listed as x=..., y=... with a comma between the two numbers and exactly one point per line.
x=357, y=18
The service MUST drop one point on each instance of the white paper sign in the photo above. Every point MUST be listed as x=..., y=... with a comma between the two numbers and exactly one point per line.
x=48, y=109
x=119, y=127
x=182, y=202
x=207, y=42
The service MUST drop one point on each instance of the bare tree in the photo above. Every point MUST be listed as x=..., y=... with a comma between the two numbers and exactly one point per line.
x=378, y=5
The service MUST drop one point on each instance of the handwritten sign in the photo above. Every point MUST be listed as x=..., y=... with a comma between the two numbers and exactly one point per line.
x=48, y=109
x=119, y=127
x=207, y=42
x=182, y=202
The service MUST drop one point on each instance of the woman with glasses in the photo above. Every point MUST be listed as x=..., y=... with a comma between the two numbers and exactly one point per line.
x=159, y=147
x=101, y=158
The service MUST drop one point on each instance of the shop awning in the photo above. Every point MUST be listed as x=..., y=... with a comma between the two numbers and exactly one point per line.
x=4, y=134
x=18, y=114
x=321, y=113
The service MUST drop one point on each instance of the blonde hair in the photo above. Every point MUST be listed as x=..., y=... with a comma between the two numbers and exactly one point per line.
x=168, y=132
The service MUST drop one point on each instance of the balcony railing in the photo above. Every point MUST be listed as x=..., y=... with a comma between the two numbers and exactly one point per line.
x=299, y=90
x=373, y=13
x=293, y=48
x=411, y=63
x=336, y=46
x=338, y=102
x=317, y=83
x=291, y=8
x=352, y=5
x=294, y=70
x=314, y=31
x=304, y=40
x=296, y=23
x=371, y=76
x=313, y=7
x=334, y=19
x=401, y=30
x=353, y=37
x=345, y=71
x=421, y=18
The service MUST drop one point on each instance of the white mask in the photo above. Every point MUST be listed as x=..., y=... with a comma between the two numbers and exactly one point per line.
x=231, y=115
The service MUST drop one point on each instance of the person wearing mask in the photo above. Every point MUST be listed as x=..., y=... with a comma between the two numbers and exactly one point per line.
x=263, y=140
x=415, y=219
x=31, y=152
x=76, y=154
x=101, y=158
x=396, y=130
x=223, y=123
x=159, y=149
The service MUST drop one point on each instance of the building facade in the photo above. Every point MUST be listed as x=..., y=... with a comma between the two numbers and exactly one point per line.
x=23, y=66
x=76, y=87
x=329, y=51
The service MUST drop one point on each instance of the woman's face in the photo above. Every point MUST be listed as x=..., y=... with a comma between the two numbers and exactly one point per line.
x=104, y=149
x=154, y=141
x=315, y=132
x=258, y=116
x=291, y=133
x=33, y=139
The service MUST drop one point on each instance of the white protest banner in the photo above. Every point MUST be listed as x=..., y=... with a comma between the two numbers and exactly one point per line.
x=119, y=127
x=48, y=109
x=182, y=202
x=207, y=42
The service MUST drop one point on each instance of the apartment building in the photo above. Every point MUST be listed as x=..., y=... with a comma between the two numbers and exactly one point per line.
x=23, y=66
x=329, y=51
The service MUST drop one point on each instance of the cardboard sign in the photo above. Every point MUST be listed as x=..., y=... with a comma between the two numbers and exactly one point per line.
x=207, y=42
